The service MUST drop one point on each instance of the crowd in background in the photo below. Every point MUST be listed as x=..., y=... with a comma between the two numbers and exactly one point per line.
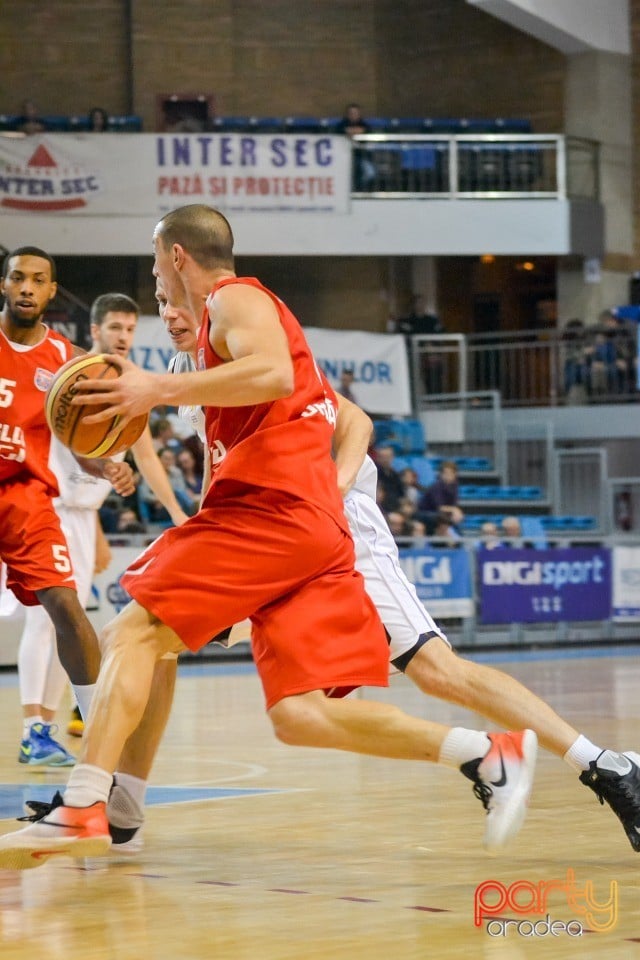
x=181, y=454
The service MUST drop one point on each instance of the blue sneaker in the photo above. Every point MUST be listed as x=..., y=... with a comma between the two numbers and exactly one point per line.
x=41, y=750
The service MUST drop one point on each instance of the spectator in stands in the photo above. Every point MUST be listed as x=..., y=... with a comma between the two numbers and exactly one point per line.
x=163, y=435
x=155, y=510
x=608, y=359
x=346, y=382
x=188, y=466
x=489, y=536
x=441, y=497
x=389, y=481
x=98, y=120
x=404, y=528
x=29, y=121
x=575, y=364
x=439, y=527
x=128, y=522
x=512, y=530
x=419, y=319
x=412, y=491
x=352, y=124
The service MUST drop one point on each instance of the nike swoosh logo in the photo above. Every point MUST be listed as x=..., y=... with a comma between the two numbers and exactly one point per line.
x=503, y=773
x=141, y=568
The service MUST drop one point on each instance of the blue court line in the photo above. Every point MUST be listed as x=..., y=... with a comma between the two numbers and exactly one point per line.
x=14, y=795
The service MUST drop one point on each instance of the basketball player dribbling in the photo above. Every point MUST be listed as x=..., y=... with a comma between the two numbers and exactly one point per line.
x=417, y=645
x=269, y=426
x=32, y=545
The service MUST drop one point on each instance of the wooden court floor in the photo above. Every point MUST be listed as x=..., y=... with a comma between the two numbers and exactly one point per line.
x=259, y=851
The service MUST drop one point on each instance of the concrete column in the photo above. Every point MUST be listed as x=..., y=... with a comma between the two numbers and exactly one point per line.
x=598, y=107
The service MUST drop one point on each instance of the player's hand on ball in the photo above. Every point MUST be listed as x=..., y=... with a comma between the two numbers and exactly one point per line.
x=120, y=476
x=131, y=394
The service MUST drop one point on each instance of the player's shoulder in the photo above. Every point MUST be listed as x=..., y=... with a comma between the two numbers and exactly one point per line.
x=61, y=343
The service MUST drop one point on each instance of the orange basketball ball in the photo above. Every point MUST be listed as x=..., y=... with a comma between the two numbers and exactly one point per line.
x=67, y=420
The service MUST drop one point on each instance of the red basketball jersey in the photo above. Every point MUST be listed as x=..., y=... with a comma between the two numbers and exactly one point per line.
x=25, y=375
x=284, y=444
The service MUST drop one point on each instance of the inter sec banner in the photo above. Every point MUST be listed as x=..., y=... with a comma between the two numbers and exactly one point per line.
x=150, y=174
x=442, y=578
x=378, y=361
x=530, y=586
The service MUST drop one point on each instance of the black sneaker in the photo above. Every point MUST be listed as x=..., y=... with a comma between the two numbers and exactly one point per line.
x=615, y=777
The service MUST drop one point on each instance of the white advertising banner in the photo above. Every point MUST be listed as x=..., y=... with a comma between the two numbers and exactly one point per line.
x=378, y=360
x=149, y=174
x=626, y=583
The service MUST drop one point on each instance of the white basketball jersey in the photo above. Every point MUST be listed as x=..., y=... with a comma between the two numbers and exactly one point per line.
x=194, y=416
x=77, y=488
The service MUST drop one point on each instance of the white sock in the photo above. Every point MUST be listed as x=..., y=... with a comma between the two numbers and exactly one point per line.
x=461, y=745
x=134, y=786
x=87, y=784
x=84, y=695
x=27, y=723
x=581, y=753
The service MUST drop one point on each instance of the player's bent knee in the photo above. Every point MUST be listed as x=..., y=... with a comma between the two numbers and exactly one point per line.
x=296, y=720
x=136, y=627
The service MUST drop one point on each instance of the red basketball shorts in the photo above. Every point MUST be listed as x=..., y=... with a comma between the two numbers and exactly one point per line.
x=32, y=544
x=286, y=565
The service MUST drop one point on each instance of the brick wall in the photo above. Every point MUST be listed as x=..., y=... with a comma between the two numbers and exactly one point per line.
x=397, y=57
x=65, y=55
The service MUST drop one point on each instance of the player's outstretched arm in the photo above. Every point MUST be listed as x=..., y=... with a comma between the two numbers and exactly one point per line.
x=149, y=465
x=354, y=430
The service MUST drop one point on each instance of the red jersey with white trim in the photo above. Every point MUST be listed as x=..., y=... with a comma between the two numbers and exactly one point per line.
x=25, y=375
x=284, y=444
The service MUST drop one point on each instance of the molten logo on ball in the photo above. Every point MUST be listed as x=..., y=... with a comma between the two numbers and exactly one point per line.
x=67, y=420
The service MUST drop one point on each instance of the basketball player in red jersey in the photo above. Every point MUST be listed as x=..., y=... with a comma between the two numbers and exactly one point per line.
x=32, y=545
x=269, y=427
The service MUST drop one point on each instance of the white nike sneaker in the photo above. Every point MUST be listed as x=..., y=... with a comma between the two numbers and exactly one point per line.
x=615, y=777
x=502, y=781
x=125, y=821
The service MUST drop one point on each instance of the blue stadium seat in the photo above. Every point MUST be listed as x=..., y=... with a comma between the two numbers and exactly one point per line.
x=125, y=124
x=379, y=124
x=511, y=125
x=329, y=124
x=533, y=532
x=407, y=124
x=389, y=433
x=423, y=470
x=79, y=124
x=303, y=125
x=400, y=463
x=415, y=439
x=268, y=124
x=57, y=124
x=234, y=124
x=469, y=492
x=565, y=524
